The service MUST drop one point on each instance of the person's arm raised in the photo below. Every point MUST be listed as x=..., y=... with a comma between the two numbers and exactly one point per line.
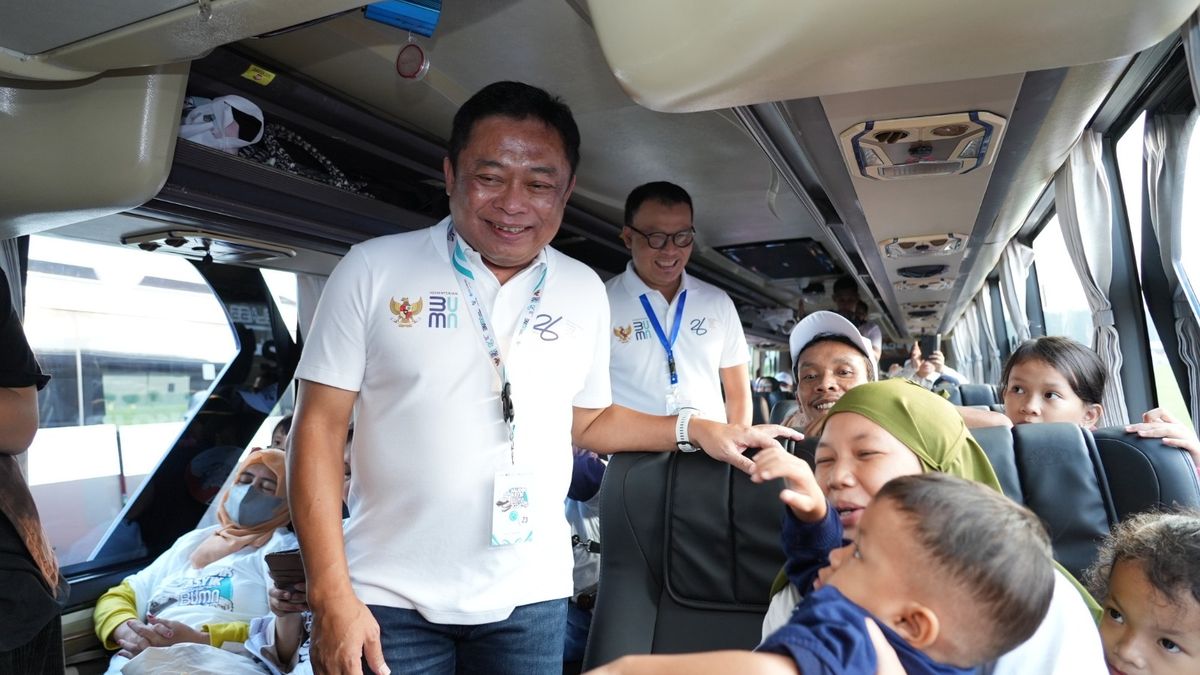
x=619, y=429
x=801, y=492
x=344, y=631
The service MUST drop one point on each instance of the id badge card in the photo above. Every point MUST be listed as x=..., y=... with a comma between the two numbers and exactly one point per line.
x=512, y=521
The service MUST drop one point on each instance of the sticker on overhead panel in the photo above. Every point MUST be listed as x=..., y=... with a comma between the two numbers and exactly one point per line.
x=259, y=75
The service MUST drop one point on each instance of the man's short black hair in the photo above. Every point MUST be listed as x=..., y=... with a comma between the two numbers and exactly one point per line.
x=518, y=101
x=661, y=191
x=845, y=283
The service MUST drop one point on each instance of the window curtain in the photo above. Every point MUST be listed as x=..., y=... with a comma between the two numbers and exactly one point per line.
x=958, y=342
x=1014, y=272
x=990, y=365
x=10, y=262
x=308, y=288
x=966, y=339
x=1082, y=198
x=977, y=349
x=1167, y=138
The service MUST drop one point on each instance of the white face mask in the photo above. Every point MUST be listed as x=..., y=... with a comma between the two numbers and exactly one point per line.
x=250, y=507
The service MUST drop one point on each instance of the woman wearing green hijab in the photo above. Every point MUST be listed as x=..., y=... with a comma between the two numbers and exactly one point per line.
x=883, y=430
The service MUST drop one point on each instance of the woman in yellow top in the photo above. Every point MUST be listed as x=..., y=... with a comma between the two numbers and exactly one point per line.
x=213, y=581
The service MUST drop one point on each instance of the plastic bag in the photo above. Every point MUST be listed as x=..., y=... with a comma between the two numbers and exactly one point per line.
x=225, y=123
x=193, y=659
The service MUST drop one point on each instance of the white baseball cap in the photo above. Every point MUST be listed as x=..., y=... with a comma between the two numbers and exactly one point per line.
x=823, y=323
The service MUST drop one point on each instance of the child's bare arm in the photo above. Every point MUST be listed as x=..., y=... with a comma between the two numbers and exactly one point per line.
x=1159, y=423
x=705, y=663
x=802, y=494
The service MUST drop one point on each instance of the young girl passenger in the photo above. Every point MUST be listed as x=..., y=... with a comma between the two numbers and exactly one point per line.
x=1053, y=379
x=1148, y=579
x=1056, y=379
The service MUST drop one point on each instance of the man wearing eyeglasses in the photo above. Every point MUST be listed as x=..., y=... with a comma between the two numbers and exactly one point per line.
x=676, y=341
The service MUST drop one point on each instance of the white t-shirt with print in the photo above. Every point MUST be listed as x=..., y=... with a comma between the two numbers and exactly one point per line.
x=710, y=338
x=394, y=326
x=233, y=588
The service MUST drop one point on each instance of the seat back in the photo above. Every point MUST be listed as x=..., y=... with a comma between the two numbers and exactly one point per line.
x=781, y=410
x=947, y=390
x=1144, y=473
x=979, y=394
x=1055, y=470
x=691, y=547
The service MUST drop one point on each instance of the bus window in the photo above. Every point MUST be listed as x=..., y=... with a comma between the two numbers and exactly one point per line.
x=1063, y=301
x=1129, y=164
x=133, y=342
x=284, y=291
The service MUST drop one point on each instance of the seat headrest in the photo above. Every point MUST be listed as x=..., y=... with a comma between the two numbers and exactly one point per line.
x=1144, y=473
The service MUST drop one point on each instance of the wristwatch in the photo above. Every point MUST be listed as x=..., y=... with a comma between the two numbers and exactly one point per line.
x=681, y=430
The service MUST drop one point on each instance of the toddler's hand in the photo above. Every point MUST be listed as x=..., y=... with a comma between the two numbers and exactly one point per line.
x=802, y=494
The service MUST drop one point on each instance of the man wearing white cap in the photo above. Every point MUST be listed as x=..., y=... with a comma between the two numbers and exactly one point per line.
x=830, y=357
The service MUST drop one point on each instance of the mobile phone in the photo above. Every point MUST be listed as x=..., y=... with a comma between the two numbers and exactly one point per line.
x=286, y=567
x=937, y=342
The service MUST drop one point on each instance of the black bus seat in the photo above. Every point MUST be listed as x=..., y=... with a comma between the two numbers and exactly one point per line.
x=783, y=408
x=1055, y=470
x=691, y=547
x=760, y=408
x=1144, y=473
x=947, y=390
x=979, y=394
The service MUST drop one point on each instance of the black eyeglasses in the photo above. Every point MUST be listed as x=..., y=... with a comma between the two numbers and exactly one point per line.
x=658, y=240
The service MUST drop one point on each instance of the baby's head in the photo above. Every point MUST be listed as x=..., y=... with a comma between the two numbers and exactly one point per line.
x=1147, y=577
x=1053, y=379
x=957, y=569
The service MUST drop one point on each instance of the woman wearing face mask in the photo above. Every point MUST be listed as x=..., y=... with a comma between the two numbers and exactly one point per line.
x=214, y=575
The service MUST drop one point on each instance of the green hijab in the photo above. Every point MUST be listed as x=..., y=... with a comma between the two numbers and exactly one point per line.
x=934, y=430
x=924, y=422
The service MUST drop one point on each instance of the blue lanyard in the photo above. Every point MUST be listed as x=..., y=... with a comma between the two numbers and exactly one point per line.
x=458, y=260
x=668, y=345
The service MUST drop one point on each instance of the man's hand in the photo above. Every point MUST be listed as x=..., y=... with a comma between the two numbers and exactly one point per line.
x=287, y=601
x=344, y=633
x=1159, y=423
x=801, y=494
x=727, y=442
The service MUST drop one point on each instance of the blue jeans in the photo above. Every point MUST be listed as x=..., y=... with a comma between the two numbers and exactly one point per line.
x=528, y=642
x=579, y=621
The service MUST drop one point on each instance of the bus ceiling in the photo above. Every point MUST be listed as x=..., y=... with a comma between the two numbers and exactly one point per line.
x=764, y=152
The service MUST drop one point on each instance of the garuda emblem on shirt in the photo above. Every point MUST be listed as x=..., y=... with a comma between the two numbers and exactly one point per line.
x=406, y=312
x=623, y=333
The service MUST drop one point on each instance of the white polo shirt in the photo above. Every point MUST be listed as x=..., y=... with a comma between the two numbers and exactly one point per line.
x=710, y=338
x=393, y=325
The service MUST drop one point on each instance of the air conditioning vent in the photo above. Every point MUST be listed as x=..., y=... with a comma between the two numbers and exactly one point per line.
x=200, y=245
x=913, y=307
x=931, y=245
x=915, y=147
x=922, y=313
x=939, y=284
x=923, y=271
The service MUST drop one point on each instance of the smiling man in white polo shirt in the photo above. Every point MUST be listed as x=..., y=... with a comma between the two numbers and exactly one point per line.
x=473, y=355
x=676, y=341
